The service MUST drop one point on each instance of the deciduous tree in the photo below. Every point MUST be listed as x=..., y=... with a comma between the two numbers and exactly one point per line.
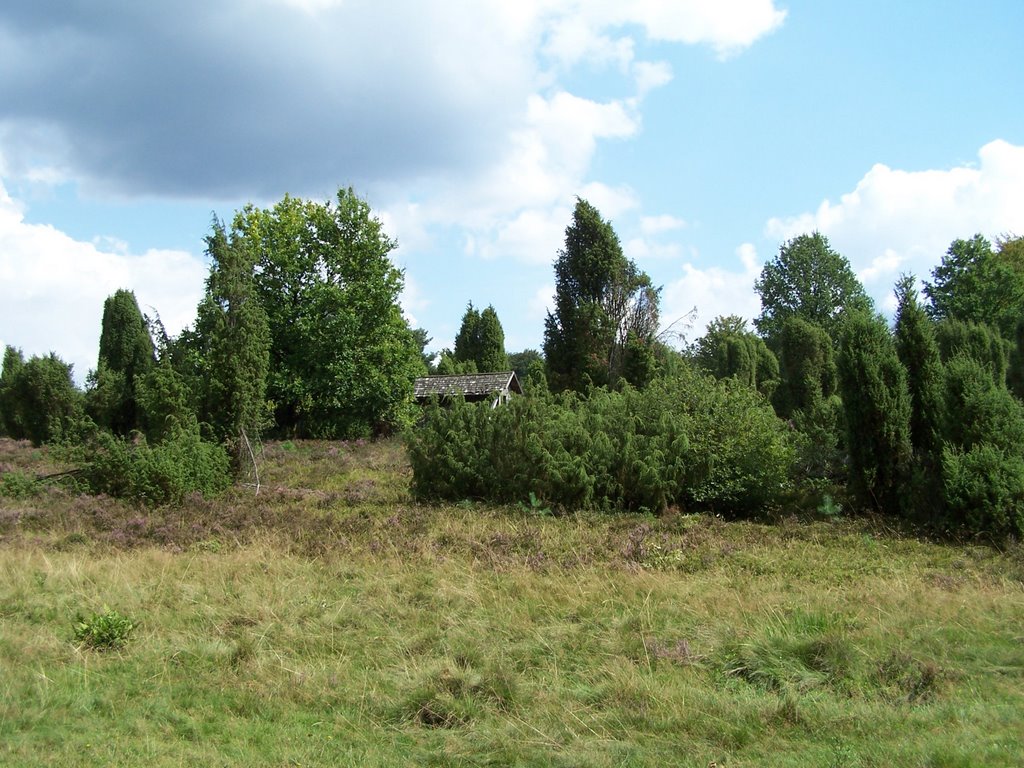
x=807, y=279
x=342, y=357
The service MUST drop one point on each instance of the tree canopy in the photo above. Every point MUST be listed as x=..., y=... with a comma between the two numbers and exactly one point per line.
x=481, y=340
x=342, y=357
x=807, y=279
x=976, y=283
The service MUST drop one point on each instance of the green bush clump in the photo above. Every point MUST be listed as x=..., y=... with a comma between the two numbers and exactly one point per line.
x=159, y=473
x=19, y=485
x=104, y=631
x=687, y=441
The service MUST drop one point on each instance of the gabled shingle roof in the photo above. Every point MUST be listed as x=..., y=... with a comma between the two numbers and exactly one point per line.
x=468, y=385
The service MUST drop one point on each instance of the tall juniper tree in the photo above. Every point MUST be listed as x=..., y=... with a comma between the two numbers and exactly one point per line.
x=605, y=319
x=126, y=354
x=876, y=404
x=236, y=340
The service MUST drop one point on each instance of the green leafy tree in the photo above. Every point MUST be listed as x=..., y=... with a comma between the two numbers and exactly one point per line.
x=876, y=404
x=807, y=279
x=523, y=362
x=606, y=310
x=236, y=343
x=342, y=357
x=978, y=284
x=126, y=354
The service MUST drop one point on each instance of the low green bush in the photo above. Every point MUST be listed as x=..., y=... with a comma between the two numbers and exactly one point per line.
x=687, y=441
x=160, y=473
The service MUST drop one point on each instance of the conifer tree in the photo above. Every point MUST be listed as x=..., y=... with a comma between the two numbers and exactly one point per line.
x=876, y=404
x=467, y=340
x=10, y=419
x=491, y=355
x=919, y=353
x=126, y=354
x=236, y=335
x=606, y=310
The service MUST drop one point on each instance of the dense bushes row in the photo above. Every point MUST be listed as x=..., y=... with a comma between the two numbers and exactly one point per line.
x=688, y=441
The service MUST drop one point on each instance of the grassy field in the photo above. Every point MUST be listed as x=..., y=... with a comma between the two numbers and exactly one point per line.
x=332, y=621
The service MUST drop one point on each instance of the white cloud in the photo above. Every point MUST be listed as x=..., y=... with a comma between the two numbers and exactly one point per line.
x=52, y=288
x=903, y=221
x=713, y=291
x=656, y=225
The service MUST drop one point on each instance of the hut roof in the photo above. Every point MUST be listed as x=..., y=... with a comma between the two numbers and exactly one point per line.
x=467, y=385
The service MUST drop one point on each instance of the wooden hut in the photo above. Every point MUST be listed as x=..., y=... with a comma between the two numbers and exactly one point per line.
x=496, y=388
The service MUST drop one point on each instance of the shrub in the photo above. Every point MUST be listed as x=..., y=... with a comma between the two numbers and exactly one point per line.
x=19, y=485
x=162, y=473
x=688, y=441
x=984, y=489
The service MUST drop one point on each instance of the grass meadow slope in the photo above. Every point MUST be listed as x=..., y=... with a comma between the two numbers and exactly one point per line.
x=332, y=621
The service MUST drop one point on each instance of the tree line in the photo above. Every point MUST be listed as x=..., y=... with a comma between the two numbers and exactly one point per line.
x=299, y=334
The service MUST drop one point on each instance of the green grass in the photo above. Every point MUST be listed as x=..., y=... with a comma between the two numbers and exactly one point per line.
x=331, y=621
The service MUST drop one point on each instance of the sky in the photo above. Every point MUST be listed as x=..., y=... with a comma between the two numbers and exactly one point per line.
x=709, y=132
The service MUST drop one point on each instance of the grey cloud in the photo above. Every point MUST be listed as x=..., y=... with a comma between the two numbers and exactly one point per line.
x=225, y=99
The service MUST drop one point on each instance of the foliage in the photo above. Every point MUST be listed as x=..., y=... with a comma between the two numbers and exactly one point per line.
x=730, y=350
x=976, y=340
x=918, y=351
x=160, y=473
x=606, y=310
x=523, y=362
x=876, y=405
x=809, y=280
x=234, y=337
x=107, y=630
x=126, y=354
x=342, y=357
x=689, y=441
x=480, y=341
x=984, y=488
x=808, y=396
x=10, y=414
x=18, y=485
x=977, y=284
x=39, y=398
